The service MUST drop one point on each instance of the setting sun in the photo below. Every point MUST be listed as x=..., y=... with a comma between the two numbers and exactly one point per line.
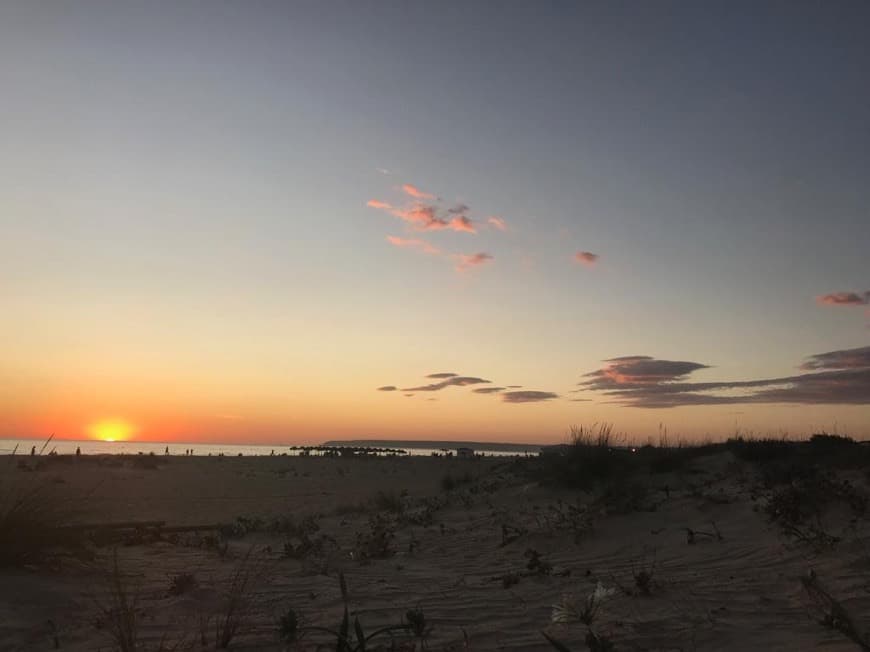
x=111, y=430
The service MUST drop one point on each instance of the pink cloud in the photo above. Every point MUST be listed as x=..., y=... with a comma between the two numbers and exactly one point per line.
x=586, y=258
x=497, y=222
x=413, y=243
x=845, y=299
x=467, y=261
x=413, y=191
x=462, y=223
x=425, y=218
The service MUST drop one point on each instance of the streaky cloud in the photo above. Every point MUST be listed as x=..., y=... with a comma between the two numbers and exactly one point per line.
x=586, y=258
x=454, y=381
x=488, y=390
x=413, y=191
x=469, y=261
x=841, y=377
x=442, y=374
x=842, y=359
x=528, y=397
x=845, y=299
x=496, y=222
x=387, y=388
x=413, y=243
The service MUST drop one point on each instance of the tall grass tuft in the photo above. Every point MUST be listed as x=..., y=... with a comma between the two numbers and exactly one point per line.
x=120, y=612
x=31, y=520
x=236, y=610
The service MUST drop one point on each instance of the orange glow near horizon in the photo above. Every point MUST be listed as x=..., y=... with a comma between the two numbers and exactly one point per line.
x=111, y=430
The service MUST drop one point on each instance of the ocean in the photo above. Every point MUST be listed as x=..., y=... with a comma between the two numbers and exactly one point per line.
x=97, y=447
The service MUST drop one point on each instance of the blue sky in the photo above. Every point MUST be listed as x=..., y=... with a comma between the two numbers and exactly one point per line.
x=184, y=196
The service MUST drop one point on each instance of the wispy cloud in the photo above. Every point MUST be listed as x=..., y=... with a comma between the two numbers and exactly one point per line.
x=496, y=222
x=527, y=397
x=424, y=217
x=488, y=390
x=421, y=216
x=842, y=359
x=453, y=381
x=842, y=377
x=468, y=261
x=387, y=388
x=442, y=374
x=845, y=299
x=413, y=191
x=639, y=370
x=586, y=258
x=385, y=171
x=413, y=243
x=459, y=209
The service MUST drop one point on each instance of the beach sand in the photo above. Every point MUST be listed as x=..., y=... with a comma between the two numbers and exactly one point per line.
x=484, y=561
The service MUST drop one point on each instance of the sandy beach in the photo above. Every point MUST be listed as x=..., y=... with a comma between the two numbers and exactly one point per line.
x=480, y=547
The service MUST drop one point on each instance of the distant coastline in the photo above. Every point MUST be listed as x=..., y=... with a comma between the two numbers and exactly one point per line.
x=436, y=444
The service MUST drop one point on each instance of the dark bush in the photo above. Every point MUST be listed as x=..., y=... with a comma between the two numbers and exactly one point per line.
x=761, y=450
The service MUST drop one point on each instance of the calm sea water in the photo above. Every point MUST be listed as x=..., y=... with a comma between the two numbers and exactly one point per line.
x=95, y=447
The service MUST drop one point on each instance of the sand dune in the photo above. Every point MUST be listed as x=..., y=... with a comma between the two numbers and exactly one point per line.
x=448, y=557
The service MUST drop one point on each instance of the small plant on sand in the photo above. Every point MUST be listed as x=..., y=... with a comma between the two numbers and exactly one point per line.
x=576, y=519
x=303, y=540
x=571, y=610
x=242, y=526
x=414, y=624
x=377, y=541
x=798, y=507
x=119, y=614
x=510, y=533
x=390, y=501
x=449, y=482
x=624, y=497
x=237, y=601
x=509, y=579
x=644, y=573
x=288, y=626
x=181, y=583
x=537, y=565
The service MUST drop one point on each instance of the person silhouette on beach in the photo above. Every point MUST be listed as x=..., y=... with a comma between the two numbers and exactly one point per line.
x=167, y=450
x=78, y=451
x=33, y=451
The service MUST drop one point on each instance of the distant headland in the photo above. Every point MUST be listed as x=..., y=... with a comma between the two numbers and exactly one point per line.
x=436, y=444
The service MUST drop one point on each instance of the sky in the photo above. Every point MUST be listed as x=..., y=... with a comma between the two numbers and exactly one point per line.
x=286, y=222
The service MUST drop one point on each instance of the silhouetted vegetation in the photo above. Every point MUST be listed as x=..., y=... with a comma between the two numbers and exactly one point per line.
x=414, y=626
x=450, y=482
x=181, y=583
x=33, y=522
